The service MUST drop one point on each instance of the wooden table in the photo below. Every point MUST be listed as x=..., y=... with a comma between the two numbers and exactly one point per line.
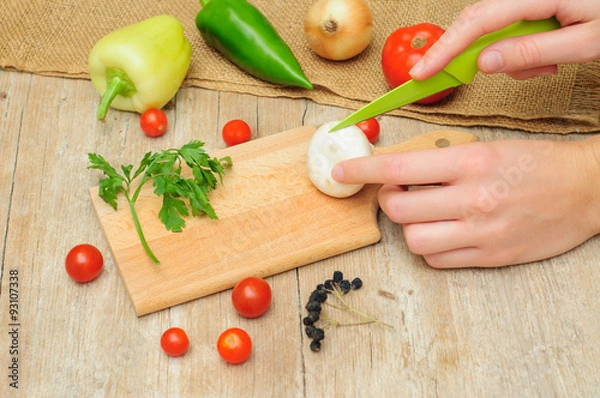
x=528, y=330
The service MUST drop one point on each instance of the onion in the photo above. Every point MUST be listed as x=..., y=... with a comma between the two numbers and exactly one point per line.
x=338, y=29
x=326, y=149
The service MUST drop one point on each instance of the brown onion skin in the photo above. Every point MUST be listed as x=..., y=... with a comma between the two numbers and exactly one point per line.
x=338, y=29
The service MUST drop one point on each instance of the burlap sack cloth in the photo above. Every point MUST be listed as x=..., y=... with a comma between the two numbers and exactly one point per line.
x=55, y=37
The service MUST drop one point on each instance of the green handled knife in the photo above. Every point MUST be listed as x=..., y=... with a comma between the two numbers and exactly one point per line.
x=461, y=70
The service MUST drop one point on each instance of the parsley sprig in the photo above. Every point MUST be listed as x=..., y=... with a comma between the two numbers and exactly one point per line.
x=164, y=169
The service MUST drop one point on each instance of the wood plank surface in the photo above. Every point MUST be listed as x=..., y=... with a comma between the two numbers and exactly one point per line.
x=529, y=330
x=271, y=219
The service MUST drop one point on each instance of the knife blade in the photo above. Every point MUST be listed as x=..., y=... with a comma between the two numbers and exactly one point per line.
x=461, y=70
x=407, y=93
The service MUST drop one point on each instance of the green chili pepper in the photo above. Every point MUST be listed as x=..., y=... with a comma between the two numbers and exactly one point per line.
x=243, y=34
x=140, y=66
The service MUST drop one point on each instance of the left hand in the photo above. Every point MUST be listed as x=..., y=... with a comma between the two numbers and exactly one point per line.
x=492, y=203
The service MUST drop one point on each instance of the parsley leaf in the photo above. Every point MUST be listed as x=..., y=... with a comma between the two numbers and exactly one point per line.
x=165, y=170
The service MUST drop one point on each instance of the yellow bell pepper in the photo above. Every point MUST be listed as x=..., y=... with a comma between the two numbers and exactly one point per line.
x=140, y=66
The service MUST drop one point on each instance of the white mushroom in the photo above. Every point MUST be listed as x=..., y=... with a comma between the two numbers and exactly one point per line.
x=327, y=149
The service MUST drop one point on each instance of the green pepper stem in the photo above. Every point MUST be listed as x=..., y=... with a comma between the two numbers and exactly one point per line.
x=203, y=3
x=114, y=88
x=118, y=84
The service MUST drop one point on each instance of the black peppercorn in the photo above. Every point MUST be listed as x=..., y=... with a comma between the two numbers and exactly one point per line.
x=319, y=296
x=315, y=345
x=313, y=316
x=356, y=283
x=310, y=329
x=318, y=334
x=345, y=286
x=338, y=276
x=313, y=306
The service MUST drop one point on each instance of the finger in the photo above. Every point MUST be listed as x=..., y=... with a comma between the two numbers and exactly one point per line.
x=459, y=258
x=535, y=72
x=566, y=45
x=473, y=22
x=468, y=257
x=408, y=168
x=420, y=205
x=437, y=237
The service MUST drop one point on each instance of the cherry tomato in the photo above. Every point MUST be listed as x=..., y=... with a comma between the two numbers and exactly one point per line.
x=403, y=49
x=234, y=345
x=371, y=129
x=84, y=263
x=251, y=297
x=174, y=342
x=154, y=122
x=236, y=132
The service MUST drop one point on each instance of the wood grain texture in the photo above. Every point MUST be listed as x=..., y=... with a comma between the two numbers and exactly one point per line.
x=525, y=331
x=271, y=219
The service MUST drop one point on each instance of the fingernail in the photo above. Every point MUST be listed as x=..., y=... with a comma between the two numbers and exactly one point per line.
x=417, y=69
x=491, y=62
x=337, y=173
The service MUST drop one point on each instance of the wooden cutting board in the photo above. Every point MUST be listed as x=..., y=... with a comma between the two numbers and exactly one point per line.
x=271, y=219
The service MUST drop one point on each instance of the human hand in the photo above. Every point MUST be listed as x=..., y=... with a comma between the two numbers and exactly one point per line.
x=520, y=57
x=495, y=203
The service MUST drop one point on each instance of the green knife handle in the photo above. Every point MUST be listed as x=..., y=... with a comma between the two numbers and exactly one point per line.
x=464, y=66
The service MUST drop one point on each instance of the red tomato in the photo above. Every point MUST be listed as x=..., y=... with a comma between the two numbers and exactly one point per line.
x=371, y=129
x=154, y=122
x=174, y=342
x=251, y=297
x=403, y=49
x=234, y=345
x=84, y=263
x=236, y=132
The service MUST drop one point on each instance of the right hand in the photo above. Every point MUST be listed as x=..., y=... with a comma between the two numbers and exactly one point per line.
x=522, y=57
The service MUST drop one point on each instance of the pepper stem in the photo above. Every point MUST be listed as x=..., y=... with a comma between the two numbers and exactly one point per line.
x=203, y=3
x=118, y=84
